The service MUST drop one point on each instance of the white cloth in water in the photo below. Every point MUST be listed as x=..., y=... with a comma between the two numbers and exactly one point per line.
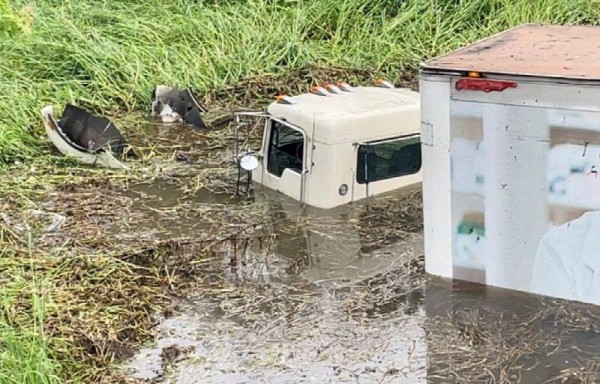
x=567, y=264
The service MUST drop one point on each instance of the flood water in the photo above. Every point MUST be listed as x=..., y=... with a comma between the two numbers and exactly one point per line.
x=342, y=297
x=318, y=306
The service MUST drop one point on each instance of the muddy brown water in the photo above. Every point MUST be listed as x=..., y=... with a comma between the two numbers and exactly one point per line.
x=291, y=310
x=317, y=307
x=335, y=297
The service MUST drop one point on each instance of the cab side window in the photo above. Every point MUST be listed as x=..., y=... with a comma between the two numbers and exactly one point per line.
x=387, y=159
x=286, y=149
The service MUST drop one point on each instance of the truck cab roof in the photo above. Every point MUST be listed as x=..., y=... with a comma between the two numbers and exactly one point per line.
x=364, y=114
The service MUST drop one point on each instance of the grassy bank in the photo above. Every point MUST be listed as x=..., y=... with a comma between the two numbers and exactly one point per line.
x=75, y=302
x=26, y=356
x=110, y=54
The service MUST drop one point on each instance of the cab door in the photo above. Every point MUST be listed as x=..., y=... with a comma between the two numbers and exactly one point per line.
x=285, y=158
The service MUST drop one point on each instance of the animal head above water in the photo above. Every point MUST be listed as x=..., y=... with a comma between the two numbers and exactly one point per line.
x=180, y=102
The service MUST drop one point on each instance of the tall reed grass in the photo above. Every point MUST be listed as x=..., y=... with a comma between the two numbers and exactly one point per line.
x=110, y=54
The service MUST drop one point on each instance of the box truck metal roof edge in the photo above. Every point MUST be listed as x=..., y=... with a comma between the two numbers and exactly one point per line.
x=537, y=50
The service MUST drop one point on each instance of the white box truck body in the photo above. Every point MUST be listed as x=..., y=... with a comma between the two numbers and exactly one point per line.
x=511, y=160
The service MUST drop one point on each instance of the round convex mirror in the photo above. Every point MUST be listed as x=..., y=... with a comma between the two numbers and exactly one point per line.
x=249, y=162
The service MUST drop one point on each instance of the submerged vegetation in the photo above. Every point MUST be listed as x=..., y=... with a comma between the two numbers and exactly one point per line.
x=75, y=302
x=109, y=55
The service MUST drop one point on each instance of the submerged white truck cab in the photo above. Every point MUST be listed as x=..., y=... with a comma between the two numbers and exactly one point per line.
x=339, y=144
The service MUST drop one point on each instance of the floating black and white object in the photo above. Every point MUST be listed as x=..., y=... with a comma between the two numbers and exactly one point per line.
x=89, y=139
x=172, y=104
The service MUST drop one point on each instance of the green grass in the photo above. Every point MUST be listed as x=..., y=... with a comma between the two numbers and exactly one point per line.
x=110, y=54
x=25, y=354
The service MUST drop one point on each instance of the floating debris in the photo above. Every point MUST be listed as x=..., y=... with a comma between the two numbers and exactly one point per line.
x=89, y=139
x=174, y=104
x=31, y=226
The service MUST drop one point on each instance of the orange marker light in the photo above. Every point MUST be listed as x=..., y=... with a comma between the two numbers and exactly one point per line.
x=284, y=99
x=383, y=84
x=333, y=89
x=318, y=90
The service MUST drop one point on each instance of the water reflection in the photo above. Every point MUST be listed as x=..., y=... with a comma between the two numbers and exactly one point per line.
x=345, y=245
x=306, y=307
x=342, y=297
x=438, y=332
x=485, y=334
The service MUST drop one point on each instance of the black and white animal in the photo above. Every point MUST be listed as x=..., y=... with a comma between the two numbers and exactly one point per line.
x=172, y=104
